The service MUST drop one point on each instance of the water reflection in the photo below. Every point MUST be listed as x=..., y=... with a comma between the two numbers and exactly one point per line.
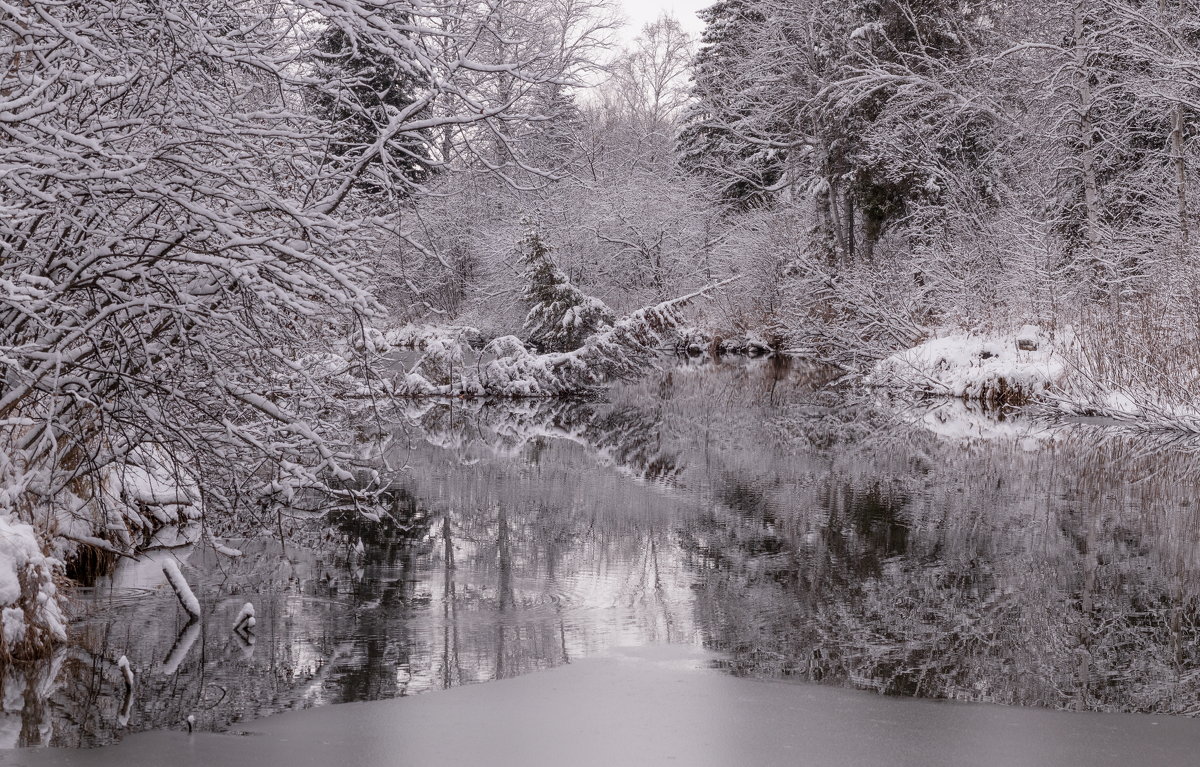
x=927, y=550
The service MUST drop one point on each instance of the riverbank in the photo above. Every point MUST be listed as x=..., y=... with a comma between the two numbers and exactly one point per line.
x=1140, y=386
x=809, y=533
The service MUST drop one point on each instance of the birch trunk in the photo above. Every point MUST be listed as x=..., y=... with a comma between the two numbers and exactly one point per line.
x=1087, y=141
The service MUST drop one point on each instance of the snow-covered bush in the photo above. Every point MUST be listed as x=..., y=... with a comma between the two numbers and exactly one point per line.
x=1142, y=369
x=31, y=619
x=505, y=367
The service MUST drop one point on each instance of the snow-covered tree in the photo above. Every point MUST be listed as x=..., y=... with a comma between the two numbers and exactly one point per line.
x=180, y=261
x=724, y=136
x=561, y=316
x=373, y=83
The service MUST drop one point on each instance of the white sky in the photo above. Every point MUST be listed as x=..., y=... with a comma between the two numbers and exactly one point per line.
x=641, y=12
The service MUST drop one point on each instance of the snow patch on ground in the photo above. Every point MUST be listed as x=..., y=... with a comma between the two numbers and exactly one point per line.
x=1033, y=365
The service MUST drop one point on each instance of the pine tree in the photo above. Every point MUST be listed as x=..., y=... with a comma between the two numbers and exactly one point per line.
x=373, y=82
x=711, y=143
x=850, y=103
x=561, y=316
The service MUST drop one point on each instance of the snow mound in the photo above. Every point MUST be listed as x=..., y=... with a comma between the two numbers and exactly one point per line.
x=31, y=617
x=1011, y=368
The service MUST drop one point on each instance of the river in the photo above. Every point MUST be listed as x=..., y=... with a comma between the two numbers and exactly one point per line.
x=750, y=517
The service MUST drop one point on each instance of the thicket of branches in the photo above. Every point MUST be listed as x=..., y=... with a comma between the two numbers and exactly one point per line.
x=191, y=195
x=876, y=170
x=972, y=164
x=207, y=209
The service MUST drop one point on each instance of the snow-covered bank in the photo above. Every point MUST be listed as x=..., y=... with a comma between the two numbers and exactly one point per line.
x=1000, y=368
x=1063, y=373
x=141, y=500
x=655, y=706
x=31, y=617
x=751, y=343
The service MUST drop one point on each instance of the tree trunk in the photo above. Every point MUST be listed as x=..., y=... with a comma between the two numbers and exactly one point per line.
x=836, y=223
x=850, y=232
x=1180, y=163
x=1087, y=141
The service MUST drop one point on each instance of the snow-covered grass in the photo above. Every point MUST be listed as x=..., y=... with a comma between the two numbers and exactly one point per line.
x=1003, y=368
x=1134, y=376
x=1142, y=371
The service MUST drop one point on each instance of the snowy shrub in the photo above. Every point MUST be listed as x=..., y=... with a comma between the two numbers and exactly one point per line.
x=507, y=368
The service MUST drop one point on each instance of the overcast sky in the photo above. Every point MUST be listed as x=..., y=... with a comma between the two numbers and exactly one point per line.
x=641, y=12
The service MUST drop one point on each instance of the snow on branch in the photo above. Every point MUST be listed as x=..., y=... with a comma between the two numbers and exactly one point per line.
x=184, y=247
x=181, y=588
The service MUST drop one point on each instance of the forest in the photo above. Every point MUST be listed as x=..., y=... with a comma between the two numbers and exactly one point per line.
x=235, y=233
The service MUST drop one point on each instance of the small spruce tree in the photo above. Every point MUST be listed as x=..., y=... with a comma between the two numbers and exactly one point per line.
x=561, y=316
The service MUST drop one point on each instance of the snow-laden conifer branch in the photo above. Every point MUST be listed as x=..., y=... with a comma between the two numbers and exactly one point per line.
x=507, y=368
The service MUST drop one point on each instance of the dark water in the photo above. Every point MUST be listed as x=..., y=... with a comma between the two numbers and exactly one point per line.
x=930, y=551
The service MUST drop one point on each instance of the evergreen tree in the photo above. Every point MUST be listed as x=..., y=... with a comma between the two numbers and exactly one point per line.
x=894, y=95
x=852, y=104
x=373, y=83
x=561, y=316
x=720, y=127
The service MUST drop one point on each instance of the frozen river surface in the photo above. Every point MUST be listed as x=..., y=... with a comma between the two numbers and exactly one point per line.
x=659, y=707
x=717, y=565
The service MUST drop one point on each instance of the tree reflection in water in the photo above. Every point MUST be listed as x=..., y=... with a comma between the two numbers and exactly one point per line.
x=930, y=550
